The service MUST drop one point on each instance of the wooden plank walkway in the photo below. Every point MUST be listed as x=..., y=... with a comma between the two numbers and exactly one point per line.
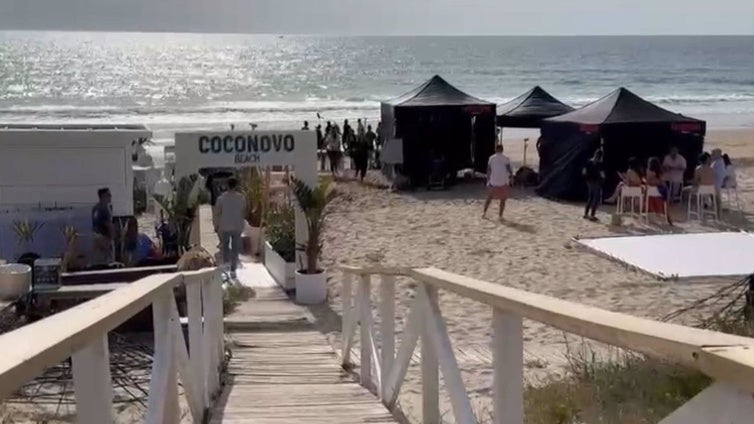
x=282, y=370
x=278, y=377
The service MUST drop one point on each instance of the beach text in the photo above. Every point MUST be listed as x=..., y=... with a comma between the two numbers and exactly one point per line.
x=240, y=144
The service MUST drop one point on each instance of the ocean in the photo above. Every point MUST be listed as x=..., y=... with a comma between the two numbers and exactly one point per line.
x=171, y=82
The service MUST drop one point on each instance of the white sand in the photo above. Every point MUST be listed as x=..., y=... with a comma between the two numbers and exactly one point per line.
x=531, y=250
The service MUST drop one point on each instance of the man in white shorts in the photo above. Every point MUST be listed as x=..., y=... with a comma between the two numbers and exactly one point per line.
x=499, y=176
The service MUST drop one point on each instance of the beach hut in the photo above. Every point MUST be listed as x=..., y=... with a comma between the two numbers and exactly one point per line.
x=438, y=123
x=529, y=109
x=626, y=126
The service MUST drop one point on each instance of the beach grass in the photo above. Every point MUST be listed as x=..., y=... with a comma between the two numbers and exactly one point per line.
x=624, y=388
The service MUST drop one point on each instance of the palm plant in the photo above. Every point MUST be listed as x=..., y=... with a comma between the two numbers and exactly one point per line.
x=180, y=208
x=314, y=203
x=252, y=185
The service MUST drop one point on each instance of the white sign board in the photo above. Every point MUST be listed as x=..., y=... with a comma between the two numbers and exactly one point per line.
x=237, y=149
x=241, y=149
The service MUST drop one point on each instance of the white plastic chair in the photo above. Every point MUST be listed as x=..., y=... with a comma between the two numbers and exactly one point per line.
x=653, y=192
x=697, y=198
x=631, y=196
x=729, y=196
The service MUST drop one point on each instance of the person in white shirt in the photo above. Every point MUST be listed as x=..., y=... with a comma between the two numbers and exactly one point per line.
x=499, y=176
x=730, y=173
x=231, y=208
x=673, y=168
x=720, y=173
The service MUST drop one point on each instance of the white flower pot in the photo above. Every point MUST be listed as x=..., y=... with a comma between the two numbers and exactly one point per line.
x=284, y=273
x=255, y=234
x=15, y=281
x=311, y=289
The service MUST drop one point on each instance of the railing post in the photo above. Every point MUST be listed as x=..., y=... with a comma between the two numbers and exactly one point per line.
x=196, y=334
x=348, y=317
x=508, y=367
x=212, y=303
x=163, y=407
x=92, y=385
x=387, y=329
x=430, y=371
x=366, y=353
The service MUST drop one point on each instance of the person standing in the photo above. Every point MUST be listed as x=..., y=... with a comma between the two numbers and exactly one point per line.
x=306, y=126
x=499, y=176
x=103, y=228
x=333, y=150
x=231, y=207
x=594, y=175
x=371, y=139
x=674, y=167
x=360, y=131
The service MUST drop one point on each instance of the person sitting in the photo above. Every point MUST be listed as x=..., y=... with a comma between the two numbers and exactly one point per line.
x=704, y=175
x=730, y=173
x=631, y=178
x=654, y=178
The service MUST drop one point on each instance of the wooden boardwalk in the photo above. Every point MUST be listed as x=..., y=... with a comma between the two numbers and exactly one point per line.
x=283, y=370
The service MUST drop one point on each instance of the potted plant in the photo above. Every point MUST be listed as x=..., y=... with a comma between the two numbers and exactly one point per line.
x=25, y=231
x=253, y=188
x=311, y=283
x=178, y=210
x=280, y=246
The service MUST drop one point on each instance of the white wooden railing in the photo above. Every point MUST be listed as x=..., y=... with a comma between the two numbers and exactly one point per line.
x=728, y=359
x=81, y=333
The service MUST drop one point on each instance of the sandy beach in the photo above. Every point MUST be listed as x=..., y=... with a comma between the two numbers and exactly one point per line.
x=531, y=250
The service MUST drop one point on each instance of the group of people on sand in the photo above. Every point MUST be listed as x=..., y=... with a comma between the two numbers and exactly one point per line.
x=359, y=144
x=666, y=178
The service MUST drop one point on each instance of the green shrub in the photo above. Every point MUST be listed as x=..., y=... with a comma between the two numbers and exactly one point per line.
x=281, y=230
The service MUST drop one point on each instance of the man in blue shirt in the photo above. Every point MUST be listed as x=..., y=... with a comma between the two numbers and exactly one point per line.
x=103, y=228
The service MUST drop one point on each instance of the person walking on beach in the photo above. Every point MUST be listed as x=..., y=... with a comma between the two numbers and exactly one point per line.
x=594, y=175
x=333, y=150
x=231, y=207
x=103, y=228
x=360, y=155
x=360, y=132
x=499, y=176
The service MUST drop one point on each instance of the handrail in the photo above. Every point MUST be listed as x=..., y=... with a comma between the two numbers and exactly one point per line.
x=80, y=331
x=673, y=342
x=719, y=355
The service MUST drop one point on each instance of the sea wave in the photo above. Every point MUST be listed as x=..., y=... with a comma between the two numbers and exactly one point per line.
x=308, y=106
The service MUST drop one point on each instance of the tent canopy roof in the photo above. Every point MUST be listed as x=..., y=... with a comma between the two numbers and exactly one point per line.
x=436, y=92
x=530, y=108
x=621, y=106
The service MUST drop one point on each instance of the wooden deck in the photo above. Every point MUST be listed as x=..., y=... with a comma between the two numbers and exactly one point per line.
x=283, y=370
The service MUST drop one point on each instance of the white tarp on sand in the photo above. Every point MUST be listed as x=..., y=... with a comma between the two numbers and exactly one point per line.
x=682, y=255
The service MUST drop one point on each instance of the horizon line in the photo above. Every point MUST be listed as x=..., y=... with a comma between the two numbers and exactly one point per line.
x=128, y=31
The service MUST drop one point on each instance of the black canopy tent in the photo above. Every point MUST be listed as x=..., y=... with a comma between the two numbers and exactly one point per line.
x=529, y=109
x=626, y=126
x=437, y=120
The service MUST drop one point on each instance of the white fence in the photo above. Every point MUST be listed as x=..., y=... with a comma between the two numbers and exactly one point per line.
x=81, y=334
x=728, y=359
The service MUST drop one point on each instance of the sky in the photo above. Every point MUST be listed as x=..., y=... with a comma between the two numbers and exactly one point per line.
x=390, y=17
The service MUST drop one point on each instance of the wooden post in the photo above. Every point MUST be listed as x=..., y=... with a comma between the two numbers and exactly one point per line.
x=162, y=407
x=366, y=353
x=348, y=317
x=387, y=329
x=196, y=334
x=92, y=385
x=508, y=367
x=430, y=372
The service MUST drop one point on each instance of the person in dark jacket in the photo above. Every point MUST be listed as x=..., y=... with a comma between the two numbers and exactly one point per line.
x=594, y=176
